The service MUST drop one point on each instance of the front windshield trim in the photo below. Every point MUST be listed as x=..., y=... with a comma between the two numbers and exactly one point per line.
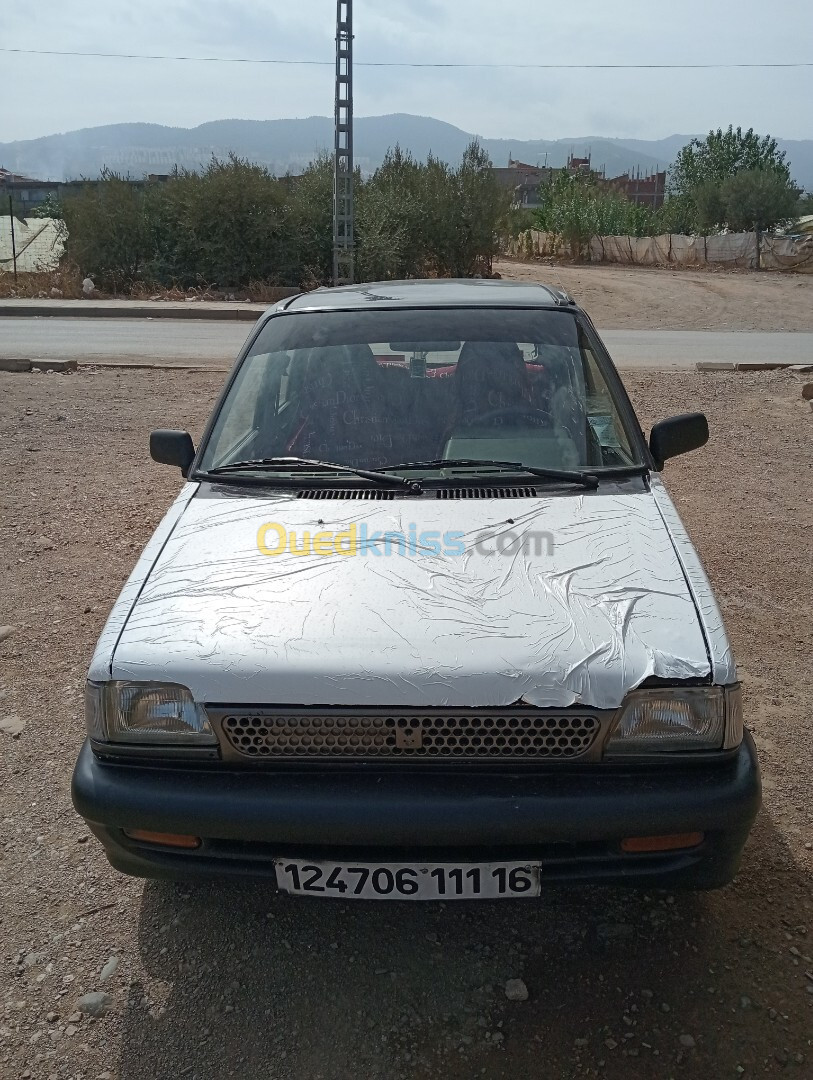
x=641, y=458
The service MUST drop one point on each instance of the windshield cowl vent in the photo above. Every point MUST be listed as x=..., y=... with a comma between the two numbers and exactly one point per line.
x=487, y=493
x=371, y=494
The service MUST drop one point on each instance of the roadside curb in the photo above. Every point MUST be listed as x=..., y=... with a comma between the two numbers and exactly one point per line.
x=136, y=311
x=86, y=365
x=26, y=367
x=755, y=365
x=23, y=366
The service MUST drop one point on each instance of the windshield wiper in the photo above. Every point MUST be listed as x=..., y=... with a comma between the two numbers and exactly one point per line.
x=286, y=464
x=568, y=476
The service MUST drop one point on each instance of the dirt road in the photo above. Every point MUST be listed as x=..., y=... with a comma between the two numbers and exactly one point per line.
x=230, y=981
x=641, y=298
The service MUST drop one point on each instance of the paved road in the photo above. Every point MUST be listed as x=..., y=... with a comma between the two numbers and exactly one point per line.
x=215, y=344
x=171, y=341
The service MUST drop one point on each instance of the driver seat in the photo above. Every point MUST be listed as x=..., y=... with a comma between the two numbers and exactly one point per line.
x=490, y=376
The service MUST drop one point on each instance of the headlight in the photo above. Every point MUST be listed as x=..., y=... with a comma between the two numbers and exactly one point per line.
x=158, y=713
x=680, y=719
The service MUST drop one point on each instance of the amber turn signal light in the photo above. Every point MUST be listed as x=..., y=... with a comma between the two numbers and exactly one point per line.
x=162, y=838
x=662, y=843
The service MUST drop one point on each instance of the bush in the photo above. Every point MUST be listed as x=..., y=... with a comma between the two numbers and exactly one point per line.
x=235, y=223
x=108, y=231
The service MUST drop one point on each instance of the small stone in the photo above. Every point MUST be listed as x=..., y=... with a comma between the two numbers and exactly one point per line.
x=51, y=1017
x=95, y=1004
x=745, y=1002
x=611, y=1044
x=687, y=1041
x=581, y=1042
x=71, y=1029
x=43, y=543
x=6, y=632
x=807, y=391
x=516, y=990
x=648, y=994
x=74, y=1018
x=12, y=725
x=665, y=1007
x=109, y=969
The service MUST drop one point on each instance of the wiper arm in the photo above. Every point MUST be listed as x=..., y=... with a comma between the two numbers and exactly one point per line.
x=285, y=464
x=568, y=476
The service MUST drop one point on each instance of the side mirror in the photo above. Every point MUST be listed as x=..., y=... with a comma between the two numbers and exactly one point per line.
x=172, y=448
x=678, y=435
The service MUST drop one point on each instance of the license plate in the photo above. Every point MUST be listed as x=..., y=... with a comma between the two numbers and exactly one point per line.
x=407, y=881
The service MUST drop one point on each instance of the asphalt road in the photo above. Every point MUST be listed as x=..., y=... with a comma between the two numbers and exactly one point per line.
x=215, y=344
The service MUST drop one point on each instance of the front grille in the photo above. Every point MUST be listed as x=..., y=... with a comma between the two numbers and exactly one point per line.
x=487, y=493
x=385, y=495
x=369, y=494
x=470, y=735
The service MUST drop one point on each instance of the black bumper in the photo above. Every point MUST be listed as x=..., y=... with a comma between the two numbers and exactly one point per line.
x=569, y=818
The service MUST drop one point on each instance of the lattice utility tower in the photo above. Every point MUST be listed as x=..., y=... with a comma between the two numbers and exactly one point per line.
x=343, y=202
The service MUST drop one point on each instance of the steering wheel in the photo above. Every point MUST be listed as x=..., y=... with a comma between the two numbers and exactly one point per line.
x=517, y=412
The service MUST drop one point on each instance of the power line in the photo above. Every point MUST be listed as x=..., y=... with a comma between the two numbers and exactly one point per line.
x=406, y=63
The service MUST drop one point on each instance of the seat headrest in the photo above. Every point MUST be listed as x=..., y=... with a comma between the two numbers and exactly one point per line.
x=492, y=372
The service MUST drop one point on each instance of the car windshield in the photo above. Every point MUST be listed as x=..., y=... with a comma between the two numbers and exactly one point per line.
x=378, y=389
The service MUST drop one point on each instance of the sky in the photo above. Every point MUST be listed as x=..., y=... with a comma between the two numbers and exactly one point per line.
x=52, y=94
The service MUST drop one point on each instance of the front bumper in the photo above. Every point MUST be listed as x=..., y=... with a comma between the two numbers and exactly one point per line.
x=570, y=818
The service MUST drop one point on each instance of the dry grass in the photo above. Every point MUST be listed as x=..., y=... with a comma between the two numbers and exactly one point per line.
x=67, y=281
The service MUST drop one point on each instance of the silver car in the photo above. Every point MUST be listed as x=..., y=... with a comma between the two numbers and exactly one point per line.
x=422, y=623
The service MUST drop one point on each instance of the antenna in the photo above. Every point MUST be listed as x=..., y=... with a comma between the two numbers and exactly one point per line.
x=343, y=201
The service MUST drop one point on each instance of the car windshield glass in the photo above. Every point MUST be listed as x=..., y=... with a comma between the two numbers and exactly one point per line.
x=379, y=388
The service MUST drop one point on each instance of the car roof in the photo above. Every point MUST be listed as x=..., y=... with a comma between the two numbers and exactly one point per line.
x=432, y=292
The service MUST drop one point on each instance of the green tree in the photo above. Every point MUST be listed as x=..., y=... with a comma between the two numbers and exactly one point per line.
x=108, y=234
x=428, y=218
x=50, y=207
x=709, y=208
x=310, y=225
x=722, y=154
x=225, y=226
x=569, y=211
x=758, y=200
x=392, y=231
x=677, y=215
x=482, y=208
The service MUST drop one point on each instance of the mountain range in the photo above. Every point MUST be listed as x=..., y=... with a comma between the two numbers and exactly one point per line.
x=289, y=145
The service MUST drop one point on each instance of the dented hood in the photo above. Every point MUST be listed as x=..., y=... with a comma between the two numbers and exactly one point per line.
x=548, y=600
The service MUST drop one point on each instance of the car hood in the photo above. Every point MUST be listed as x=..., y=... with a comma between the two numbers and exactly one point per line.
x=547, y=601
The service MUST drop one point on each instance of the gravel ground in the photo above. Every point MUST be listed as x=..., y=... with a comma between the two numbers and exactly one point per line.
x=653, y=298
x=230, y=981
